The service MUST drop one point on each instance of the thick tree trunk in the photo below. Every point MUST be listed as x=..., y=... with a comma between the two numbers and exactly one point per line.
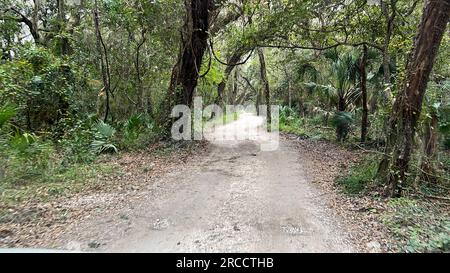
x=185, y=73
x=265, y=85
x=407, y=107
x=363, y=86
x=194, y=43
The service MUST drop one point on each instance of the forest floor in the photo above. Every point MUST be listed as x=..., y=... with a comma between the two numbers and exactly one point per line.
x=219, y=196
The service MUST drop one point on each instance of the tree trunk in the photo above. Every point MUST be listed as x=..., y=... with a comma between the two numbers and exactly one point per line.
x=234, y=90
x=32, y=23
x=265, y=85
x=407, y=107
x=429, y=148
x=185, y=74
x=342, y=106
x=363, y=86
x=341, y=128
x=194, y=43
x=103, y=61
x=289, y=95
x=64, y=41
x=232, y=61
x=144, y=98
x=258, y=101
x=389, y=17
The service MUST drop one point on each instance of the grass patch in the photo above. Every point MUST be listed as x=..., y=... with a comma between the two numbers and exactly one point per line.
x=310, y=128
x=308, y=131
x=69, y=180
x=359, y=176
x=419, y=226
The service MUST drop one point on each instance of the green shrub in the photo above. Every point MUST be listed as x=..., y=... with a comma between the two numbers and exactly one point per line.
x=342, y=121
x=444, y=124
x=134, y=126
x=7, y=112
x=359, y=176
x=27, y=157
x=103, y=137
x=75, y=145
x=44, y=88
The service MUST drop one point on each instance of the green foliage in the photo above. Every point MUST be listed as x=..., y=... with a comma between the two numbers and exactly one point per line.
x=75, y=146
x=51, y=100
x=211, y=71
x=220, y=120
x=444, y=124
x=57, y=182
x=359, y=176
x=311, y=128
x=288, y=115
x=25, y=156
x=103, y=134
x=137, y=132
x=7, y=112
x=42, y=87
x=437, y=102
x=420, y=227
x=133, y=126
x=342, y=121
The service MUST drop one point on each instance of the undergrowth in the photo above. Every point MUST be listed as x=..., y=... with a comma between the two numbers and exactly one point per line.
x=359, y=177
x=419, y=226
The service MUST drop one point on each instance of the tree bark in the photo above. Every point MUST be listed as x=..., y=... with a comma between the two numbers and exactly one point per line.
x=194, y=43
x=265, y=85
x=234, y=59
x=389, y=17
x=407, y=107
x=103, y=61
x=430, y=140
x=363, y=86
x=31, y=24
x=234, y=90
x=342, y=105
x=64, y=46
x=144, y=98
x=185, y=73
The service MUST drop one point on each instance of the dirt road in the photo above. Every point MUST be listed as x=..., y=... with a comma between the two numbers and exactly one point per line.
x=237, y=198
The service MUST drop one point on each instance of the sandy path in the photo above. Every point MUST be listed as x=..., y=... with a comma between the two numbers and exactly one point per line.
x=235, y=199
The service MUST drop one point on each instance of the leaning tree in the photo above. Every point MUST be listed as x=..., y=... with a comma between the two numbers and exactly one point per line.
x=405, y=114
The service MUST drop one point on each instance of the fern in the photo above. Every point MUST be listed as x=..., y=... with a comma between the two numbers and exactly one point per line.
x=104, y=134
x=104, y=130
x=133, y=125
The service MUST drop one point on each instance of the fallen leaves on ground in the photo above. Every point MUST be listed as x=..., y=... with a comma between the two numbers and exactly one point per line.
x=324, y=161
x=33, y=224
